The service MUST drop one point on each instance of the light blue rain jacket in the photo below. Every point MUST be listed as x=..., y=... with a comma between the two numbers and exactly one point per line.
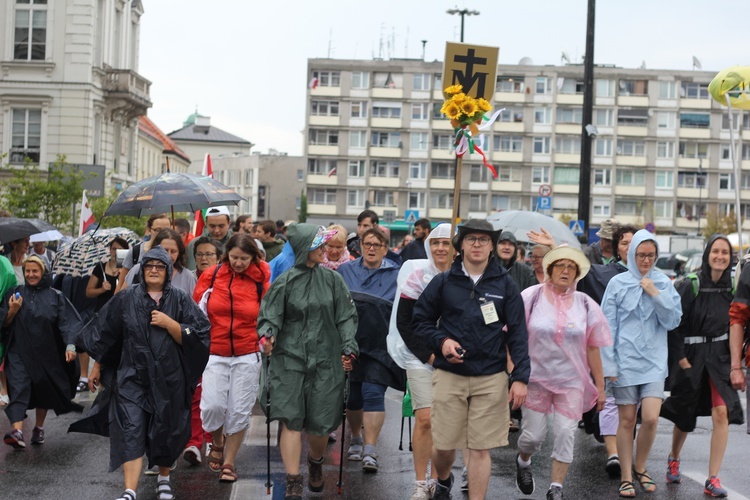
x=639, y=323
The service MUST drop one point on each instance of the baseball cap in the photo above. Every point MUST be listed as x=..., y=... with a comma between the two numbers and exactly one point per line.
x=222, y=210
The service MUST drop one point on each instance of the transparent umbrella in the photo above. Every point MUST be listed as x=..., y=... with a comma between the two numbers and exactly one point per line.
x=520, y=222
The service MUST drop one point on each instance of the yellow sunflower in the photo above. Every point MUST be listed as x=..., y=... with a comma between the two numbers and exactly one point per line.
x=451, y=110
x=469, y=107
x=483, y=104
x=454, y=89
x=459, y=98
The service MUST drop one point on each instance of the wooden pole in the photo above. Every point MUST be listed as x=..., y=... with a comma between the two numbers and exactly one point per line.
x=171, y=206
x=456, y=196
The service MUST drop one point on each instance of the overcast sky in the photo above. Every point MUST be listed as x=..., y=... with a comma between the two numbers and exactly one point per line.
x=244, y=63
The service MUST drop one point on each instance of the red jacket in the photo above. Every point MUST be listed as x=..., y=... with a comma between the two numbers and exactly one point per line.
x=233, y=307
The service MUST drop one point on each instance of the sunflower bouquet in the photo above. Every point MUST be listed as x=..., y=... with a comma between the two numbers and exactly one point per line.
x=463, y=110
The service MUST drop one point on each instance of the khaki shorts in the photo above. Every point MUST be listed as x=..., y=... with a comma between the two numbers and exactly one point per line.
x=420, y=386
x=469, y=412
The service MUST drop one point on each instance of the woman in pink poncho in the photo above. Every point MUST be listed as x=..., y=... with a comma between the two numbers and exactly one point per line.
x=566, y=330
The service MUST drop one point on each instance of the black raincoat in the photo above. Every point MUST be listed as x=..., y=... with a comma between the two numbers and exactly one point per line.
x=522, y=274
x=705, y=315
x=147, y=399
x=36, y=341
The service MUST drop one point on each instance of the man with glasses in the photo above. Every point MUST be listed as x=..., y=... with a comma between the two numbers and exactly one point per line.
x=461, y=316
x=374, y=275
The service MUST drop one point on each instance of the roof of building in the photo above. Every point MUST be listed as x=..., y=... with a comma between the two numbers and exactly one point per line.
x=148, y=127
x=198, y=128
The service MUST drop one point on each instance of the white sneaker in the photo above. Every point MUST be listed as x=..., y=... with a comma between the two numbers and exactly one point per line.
x=464, y=480
x=421, y=491
x=192, y=455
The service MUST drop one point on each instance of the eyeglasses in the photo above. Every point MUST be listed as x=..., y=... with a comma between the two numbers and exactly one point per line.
x=157, y=267
x=644, y=256
x=376, y=246
x=473, y=240
x=207, y=254
x=537, y=257
x=566, y=267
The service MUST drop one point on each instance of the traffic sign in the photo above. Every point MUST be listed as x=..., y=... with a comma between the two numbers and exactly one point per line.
x=411, y=216
x=650, y=227
x=389, y=216
x=544, y=202
x=545, y=190
x=578, y=227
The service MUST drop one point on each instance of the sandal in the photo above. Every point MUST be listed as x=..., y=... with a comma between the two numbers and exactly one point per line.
x=228, y=474
x=164, y=491
x=82, y=386
x=648, y=484
x=214, y=462
x=627, y=489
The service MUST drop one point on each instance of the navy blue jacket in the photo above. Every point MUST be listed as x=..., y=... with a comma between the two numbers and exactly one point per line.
x=450, y=307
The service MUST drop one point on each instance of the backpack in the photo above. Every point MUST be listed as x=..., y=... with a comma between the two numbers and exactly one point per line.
x=696, y=282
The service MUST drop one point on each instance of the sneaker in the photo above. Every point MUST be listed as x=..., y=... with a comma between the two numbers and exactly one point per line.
x=154, y=471
x=421, y=491
x=673, y=471
x=554, y=493
x=15, y=439
x=331, y=438
x=465, y=480
x=82, y=386
x=192, y=455
x=613, y=467
x=443, y=492
x=356, y=447
x=370, y=463
x=315, y=471
x=37, y=436
x=524, y=479
x=713, y=488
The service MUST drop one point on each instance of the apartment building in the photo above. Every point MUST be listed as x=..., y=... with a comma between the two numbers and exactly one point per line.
x=661, y=155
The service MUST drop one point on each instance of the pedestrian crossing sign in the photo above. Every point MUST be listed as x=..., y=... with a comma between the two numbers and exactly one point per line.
x=411, y=216
x=577, y=227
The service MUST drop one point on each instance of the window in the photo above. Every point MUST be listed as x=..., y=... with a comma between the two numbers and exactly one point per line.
x=382, y=198
x=324, y=137
x=566, y=175
x=691, y=179
x=416, y=200
x=441, y=200
x=626, y=147
x=478, y=203
x=693, y=90
x=633, y=87
x=541, y=145
x=667, y=90
x=300, y=176
x=664, y=179
x=508, y=143
x=512, y=84
x=382, y=110
x=420, y=111
x=328, y=78
x=508, y=115
x=626, y=208
x=358, y=139
x=665, y=149
x=360, y=80
x=30, y=38
x=442, y=141
x=357, y=168
x=690, y=210
x=479, y=173
x=570, y=86
x=502, y=202
x=569, y=115
x=726, y=152
x=602, y=208
x=605, y=88
x=630, y=177
x=745, y=152
x=543, y=115
x=317, y=166
x=726, y=182
x=436, y=114
x=386, y=139
x=359, y=109
x=355, y=198
x=602, y=147
x=602, y=177
x=543, y=85
x=666, y=119
x=442, y=171
x=418, y=170
x=693, y=149
x=26, y=137
x=663, y=209
x=566, y=144
x=437, y=81
x=633, y=117
x=743, y=122
x=419, y=141
x=603, y=117
x=421, y=81
x=321, y=196
x=695, y=120
x=509, y=174
x=540, y=175
x=388, y=80
x=384, y=169
x=324, y=108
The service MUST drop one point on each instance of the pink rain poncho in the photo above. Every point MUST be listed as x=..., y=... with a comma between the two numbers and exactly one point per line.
x=561, y=328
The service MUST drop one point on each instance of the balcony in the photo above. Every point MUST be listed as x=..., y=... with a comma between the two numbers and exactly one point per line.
x=126, y=93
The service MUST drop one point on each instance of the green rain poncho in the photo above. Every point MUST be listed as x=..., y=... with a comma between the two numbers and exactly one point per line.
x=310, y=315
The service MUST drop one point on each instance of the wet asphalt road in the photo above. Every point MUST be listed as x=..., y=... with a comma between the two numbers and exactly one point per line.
x=75, y=466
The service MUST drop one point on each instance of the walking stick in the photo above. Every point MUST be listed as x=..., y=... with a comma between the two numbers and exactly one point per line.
x=269, y=484
x=410, y=447
x=401, y=441
x=340, y=484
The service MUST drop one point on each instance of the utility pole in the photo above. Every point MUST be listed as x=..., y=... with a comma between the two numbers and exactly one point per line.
x=588, y=131
x=462, y=13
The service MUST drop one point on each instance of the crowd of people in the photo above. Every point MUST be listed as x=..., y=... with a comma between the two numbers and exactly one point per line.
x=187, y=333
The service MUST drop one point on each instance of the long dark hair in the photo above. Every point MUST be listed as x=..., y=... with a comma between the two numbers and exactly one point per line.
x=245, y=243
x=171, y=234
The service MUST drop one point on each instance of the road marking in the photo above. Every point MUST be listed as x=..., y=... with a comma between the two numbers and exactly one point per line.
x=249, y=488
x=257, y=434
x=700, y=478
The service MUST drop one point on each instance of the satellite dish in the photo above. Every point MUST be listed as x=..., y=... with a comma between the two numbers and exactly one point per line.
x=526, y=61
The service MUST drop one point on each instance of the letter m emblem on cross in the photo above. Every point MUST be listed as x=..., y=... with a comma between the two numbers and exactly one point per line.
x=472, y=66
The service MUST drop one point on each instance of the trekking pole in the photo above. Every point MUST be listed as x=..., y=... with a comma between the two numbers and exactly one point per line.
x=269, y=484
x=410, y=447
x=343, y=422
x=401, y=441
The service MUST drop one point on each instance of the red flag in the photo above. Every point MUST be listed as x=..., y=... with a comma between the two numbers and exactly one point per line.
x=200, y=220
x=313, y=83
x=332, y=171
x=87, y=216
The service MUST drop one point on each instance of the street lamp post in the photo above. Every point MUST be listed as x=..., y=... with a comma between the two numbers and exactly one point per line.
x=700, y=192
x=462, y=13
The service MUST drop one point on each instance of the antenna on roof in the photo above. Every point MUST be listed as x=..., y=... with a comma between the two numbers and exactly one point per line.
x=330, y=39
x=643, y=65
x=565, y=58
x=424, y=42
x=406, y=44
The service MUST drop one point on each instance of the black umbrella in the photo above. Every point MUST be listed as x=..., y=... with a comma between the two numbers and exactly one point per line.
x=13, y=228
x=172, y=191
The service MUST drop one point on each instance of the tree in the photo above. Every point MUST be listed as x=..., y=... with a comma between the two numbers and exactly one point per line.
x=303, y=207
x=100, y=205
x=719, y=224
x=30, y=192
